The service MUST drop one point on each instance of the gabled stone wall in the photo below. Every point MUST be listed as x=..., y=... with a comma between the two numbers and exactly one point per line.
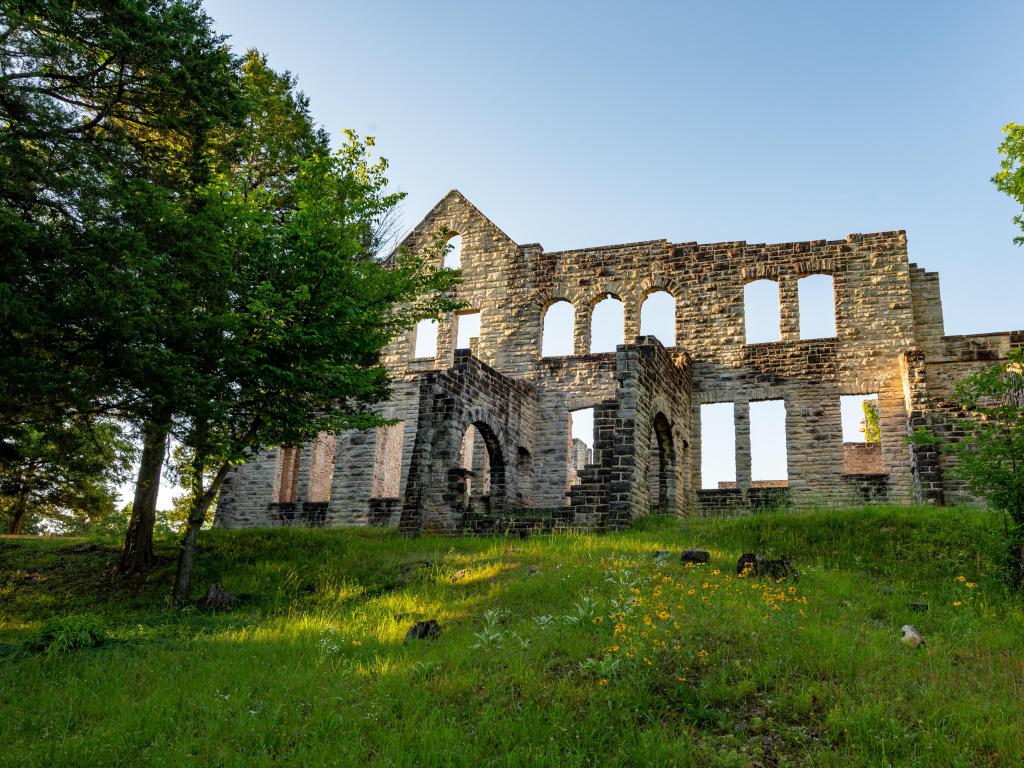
x=889, y=341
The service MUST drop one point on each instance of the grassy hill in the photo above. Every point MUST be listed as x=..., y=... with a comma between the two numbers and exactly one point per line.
x=566, y=650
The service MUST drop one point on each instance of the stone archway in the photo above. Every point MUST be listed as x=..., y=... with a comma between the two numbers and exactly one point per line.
x=661, y=473
x=477, y=480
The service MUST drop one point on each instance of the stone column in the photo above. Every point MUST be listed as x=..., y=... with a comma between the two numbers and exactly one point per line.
x=742, y=419
x=446, y=342
x=789, y=307
x=631, y=318
x=582, y=325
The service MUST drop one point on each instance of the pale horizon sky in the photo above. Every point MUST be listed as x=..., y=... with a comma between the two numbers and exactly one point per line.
x=577, y=124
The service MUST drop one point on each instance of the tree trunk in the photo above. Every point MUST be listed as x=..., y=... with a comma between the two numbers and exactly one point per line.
x=19, y=511
x=137, y=554
x=187, y=551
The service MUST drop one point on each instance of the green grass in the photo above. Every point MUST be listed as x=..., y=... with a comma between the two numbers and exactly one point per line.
x=569, y=650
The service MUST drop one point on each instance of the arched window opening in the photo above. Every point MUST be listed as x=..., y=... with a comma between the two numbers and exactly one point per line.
x=607, y=325
x=761, y=314
x=474, y=458
x=453, y=253
x=768, y=461
x=559, y=330
x=817, y=298
x=658, y=317
x=718, y=445
x=426, y=339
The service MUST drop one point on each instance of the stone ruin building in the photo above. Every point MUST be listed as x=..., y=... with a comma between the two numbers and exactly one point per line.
x=481, y=438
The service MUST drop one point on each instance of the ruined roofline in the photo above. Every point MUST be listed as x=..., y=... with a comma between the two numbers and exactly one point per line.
x=896, y=234
x=854, y=237
x=452, y=193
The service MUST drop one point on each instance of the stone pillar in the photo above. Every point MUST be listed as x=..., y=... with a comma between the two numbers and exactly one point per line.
x=631, y=319
x=446, y=342
x=924, y=459
x=789, y=307
x=742, y=419
x=584, y=317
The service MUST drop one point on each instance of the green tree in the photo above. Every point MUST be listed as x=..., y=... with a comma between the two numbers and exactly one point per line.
x=990, y=455
x=872, y=431
x=1010, y=177
x=63, y=479
x=107, y=113
x=308, y=310
x=257, y=157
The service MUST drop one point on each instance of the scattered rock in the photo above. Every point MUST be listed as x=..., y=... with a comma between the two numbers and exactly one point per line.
x=911, y=636
x=460, y=574
x=217, y=599
x=748, y=562
x=661, y=554
x=423, y=630
x=886, y=589
x=701, y=556
x=754, y=564
x=534, y=571
x=917, y=606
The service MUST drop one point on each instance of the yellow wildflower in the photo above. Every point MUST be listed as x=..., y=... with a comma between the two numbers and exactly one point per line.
x=702, y=653
x=715, y=572
x=961, y=578
x=957, y=603
x=603, y=681
x=971, y=585
x=357, y=643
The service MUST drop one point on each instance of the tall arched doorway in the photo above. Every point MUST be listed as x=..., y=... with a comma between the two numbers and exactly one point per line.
x=476, y=483
x=661, y=472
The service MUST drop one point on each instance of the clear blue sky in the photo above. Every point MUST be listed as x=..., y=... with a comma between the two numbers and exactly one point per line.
x=588, y=123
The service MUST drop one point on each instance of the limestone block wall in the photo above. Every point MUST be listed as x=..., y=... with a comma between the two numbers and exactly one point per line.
x=504, y=413
x=889, y=340
x=653, y=401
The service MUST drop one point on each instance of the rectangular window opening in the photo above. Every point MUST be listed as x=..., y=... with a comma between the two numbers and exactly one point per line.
x=581, y=441
x=468, y=329
x=768, y=460
x=387, y=465
x=862, y=435
x=718, y=445
x=426, y=339
x=321, y=467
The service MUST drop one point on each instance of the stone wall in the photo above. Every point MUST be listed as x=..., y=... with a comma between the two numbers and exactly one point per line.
x=503, y=413
x=889, y=341
x=862, y=459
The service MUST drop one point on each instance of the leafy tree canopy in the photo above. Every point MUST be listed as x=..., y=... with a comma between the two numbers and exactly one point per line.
x=990, y=456
x=1010, y=178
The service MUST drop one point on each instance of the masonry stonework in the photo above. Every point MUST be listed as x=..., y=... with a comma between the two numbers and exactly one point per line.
x=481, y=440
